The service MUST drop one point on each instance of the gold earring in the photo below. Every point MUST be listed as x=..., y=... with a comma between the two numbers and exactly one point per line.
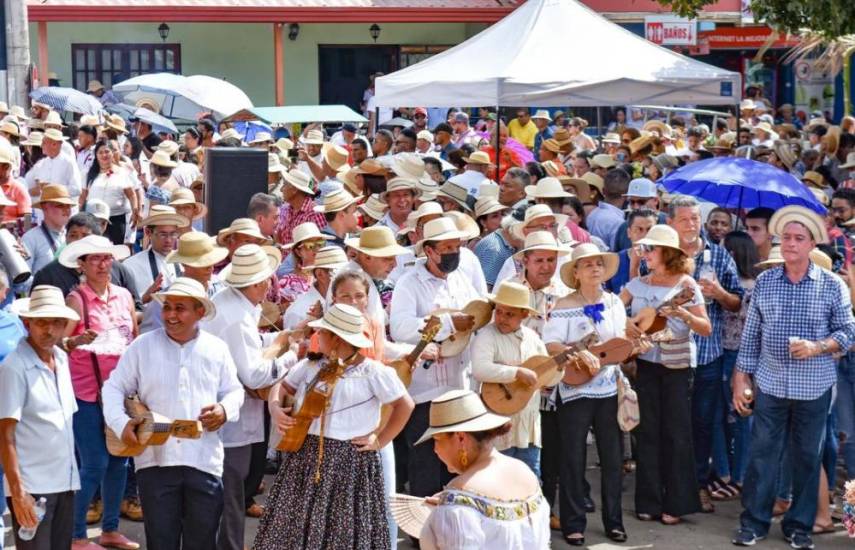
x=463, y=458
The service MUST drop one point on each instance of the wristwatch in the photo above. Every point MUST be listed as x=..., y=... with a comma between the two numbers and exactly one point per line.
x=823, y=347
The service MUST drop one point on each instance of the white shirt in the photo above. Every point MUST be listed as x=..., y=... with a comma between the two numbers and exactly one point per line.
x=111, y=189
x=469, y=265
x=140, y=269
x=417, y=294
x=42, y=402
x=387, y=221
x=85, y=158
x=354, y=408
x=470, y=180
x=236, y=323
x=510, y=269
x=60, y=170
x=186, y=173
x=42, y=250
x=176, y=380
x=298, y=309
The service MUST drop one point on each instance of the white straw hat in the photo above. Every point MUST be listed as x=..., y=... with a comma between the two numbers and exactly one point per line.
x=250, y=265
x=184, y=196
x=512, y=295
x=47, y=302
x=186, y=287
x=329, y=257
x=377, y=241
x=346, y=322
x=197, y=249
x=304, y=232
x=408, y=165
x=334, y=155
x=91, y=244
x=374, y=207
x=540, y=240
x=546, y=188
x=159, y=158
x=299, y=180
x=313, y=137
x=274, y=165
x=465, y=224
x=244, y=226
x=805, y=216
x=97, y=208
x=460, y=411
x=535, y=212
x=161, y=214
x=336, y=201
x=168, y=146
x=662, y=235
x=589, y=250
x=261, y=137
x=440, y=229
x=488, y=205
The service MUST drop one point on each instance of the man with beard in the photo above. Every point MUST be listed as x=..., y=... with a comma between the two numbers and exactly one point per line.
x=719, y=223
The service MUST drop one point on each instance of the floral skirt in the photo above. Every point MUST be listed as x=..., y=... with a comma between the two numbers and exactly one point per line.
x=345, y=508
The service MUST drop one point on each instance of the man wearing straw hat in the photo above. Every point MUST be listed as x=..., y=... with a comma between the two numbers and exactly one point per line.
x=376, y=251
x=54, y=167
x=328, y=260
x=35, y=415
x=400, y=195
x=477, y=167
x=339, y=214
x=43, y=242
x=427, y=287
x=537, y=218
x=498, y=352
x=799, y=317
x=236, y=322
x=183, y=373
x=185, y=204
x=299, y=207
x=539, y=259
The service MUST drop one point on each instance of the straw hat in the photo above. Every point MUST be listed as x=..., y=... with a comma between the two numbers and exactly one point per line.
x=593, y=180
x=478, y=157
x=612, y=137
x=424, y=209
x=407, y=164
x=34, y=139
x=299, y=180
x=485, y=206
x=440, y=229
x=815, y=179
x=197, y=249
x=53, y=119
x=117, y=123
x=244, y=226
x=588, y=250
x=168, y=146
x=18, y=112
x=346, y=322
x=747, y=105
x=400, y=183
x=94, y=86
x=821, y=259
x=850, y=161
x=371, y=166
x=374, y=208
x=535, y=212
x=228, y=133
x=376, y=241
x=162, y=214
x=425, y=135
x=54, y=134
x=831, y=140
x=774, y=258
x=313, y=137
x=657, y=126
x=90, y=120
x=347, y=176
x=456, y=193
x=460, y=411
x=334, y=155
x=427, y=189
x=284, y=144
x=6, y=156
x=580, y=186
x=336, y=201
x=185, y=287
x=540, y=240
x=183, y=196
x=91, y=244
x=47, y=302
x=821, y=196
x=161, y=158
x=465, y=224
x=640, y=144
x=785, y=154
x=662, y=235
x=261, y=137
x=11, y=128
x=97, y=208
x=512, y=295
x=546, y=188
x=542, y=114
x=56, y=193
x=329, y=257
x=805, y=216
x=304, y=232
x=250, y=265
x=603, y=161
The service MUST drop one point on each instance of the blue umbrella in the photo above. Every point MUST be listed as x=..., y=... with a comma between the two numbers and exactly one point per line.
x=67, y=99
x=732, y=182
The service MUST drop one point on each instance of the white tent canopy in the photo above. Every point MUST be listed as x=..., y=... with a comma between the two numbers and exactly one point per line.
x=557, y=52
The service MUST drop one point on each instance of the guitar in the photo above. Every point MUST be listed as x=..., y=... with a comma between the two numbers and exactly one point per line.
x=155, y=430
x=407, y=364
x=650, y=320
x=511, y=397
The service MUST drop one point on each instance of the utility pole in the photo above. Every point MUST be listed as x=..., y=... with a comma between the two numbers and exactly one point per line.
x=16, y=52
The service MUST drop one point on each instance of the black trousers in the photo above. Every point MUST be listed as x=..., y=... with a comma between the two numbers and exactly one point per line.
x=427, y=474
x=116, y=229
x=55, y=529
x=257, y=463
x=665, y=476
x=182, y=507
x=550, y=454
x=574, y=420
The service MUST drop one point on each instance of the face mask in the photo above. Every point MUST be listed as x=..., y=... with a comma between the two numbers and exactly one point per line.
x=449, y=262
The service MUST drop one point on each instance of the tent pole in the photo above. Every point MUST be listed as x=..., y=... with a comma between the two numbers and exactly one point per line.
x=498, y=142
x=599, y=122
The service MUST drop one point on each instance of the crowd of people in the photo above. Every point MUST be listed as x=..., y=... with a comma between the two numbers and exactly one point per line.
x=345, y=333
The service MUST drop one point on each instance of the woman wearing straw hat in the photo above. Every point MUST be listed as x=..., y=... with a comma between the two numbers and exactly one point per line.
x=36, y=414
x=307, y=240
x=588, y=310
x=112, y=184
x=106, y=311
x=666, y=484
x=162, y=183
x=330, y=493
x=474, y=511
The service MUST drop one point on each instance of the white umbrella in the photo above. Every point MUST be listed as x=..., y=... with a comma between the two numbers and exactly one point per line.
x=185, y=97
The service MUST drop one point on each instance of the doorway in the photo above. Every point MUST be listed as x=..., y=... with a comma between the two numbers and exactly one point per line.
x=344, y=71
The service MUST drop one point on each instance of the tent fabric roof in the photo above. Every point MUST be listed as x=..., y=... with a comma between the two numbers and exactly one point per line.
x=299, y=113
x=557, y=52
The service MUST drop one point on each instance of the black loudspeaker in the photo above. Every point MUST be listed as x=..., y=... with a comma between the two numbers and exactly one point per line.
x=232, y=176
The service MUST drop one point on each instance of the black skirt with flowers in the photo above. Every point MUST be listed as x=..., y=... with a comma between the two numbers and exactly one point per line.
x=344, y=509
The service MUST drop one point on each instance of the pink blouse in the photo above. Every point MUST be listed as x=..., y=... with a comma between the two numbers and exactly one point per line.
x=113, y=323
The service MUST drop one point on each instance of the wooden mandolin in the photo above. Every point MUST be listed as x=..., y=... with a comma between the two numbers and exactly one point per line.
x=155, y=429
x=511, y=397
x=405, y=365
x=650, y=320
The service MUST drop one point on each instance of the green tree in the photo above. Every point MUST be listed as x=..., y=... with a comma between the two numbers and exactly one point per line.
x=829, y=18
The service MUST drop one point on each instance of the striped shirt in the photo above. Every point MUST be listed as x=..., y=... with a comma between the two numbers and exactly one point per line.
x=815, y=308
x=289, y=219
x=492, y=251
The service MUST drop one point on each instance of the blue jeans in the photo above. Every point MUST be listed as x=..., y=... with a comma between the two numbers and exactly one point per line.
x=98, y=468
x=731, y=432
x=530, y=455
x=845, y=409
x=805, y=423
x=706, y=400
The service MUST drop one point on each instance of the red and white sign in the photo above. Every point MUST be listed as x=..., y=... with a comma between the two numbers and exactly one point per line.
x=746, y=38
x=671, y=31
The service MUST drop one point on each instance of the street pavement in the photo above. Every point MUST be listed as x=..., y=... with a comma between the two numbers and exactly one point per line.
x=700, y=531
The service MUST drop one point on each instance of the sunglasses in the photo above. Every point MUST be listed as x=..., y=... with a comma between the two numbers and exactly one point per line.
x=644, y=248
x=639, y=202
x=312, y=245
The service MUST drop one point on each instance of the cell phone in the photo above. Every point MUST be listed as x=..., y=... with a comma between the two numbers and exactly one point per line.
x=293, y=154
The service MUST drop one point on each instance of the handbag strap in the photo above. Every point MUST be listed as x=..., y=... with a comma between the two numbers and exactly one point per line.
x=96, y=367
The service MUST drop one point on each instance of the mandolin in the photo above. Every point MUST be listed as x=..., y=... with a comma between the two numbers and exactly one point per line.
x=511, y=397
x=155, y=430
x=405, y=365
x=649, y=320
